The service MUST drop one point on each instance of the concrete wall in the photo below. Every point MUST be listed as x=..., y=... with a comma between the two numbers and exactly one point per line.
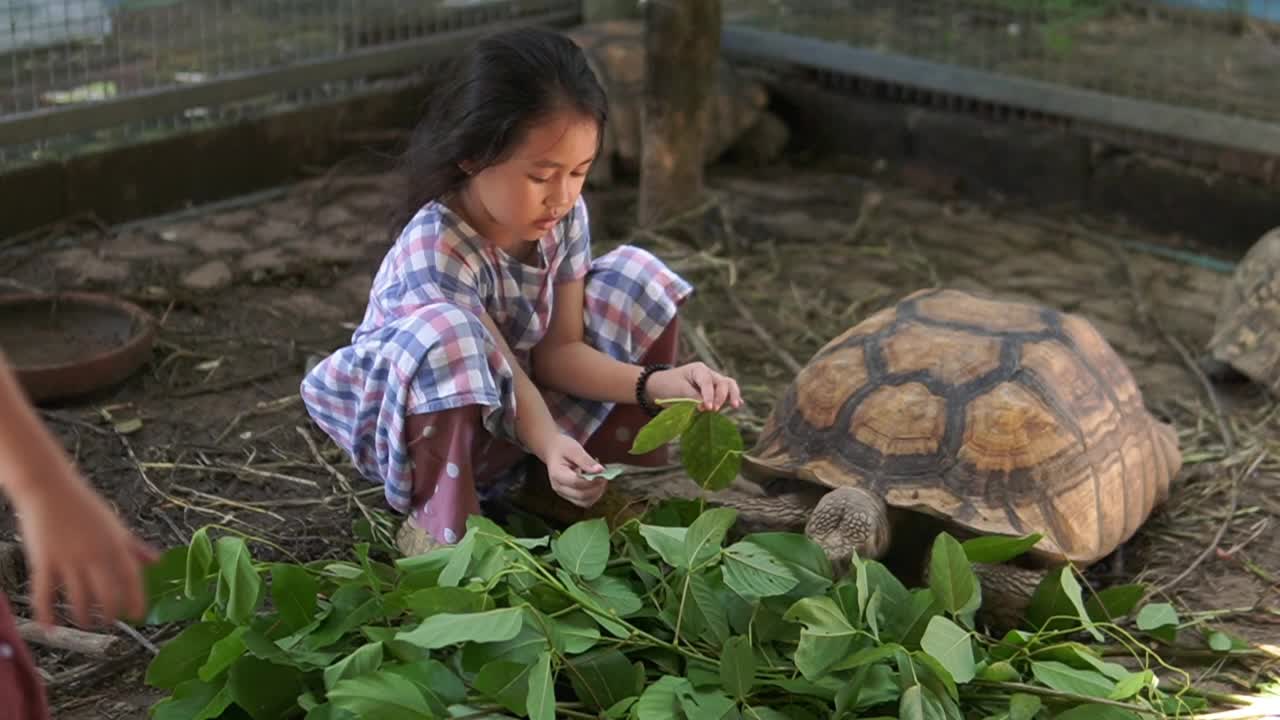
x=951, y=153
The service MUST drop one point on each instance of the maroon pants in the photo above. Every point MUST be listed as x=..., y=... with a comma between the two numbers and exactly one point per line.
x=453, y=453
x=22, y=694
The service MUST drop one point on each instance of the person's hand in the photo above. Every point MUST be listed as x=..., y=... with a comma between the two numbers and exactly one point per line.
x=73, y=539
x=566, y=461
x=696, y=381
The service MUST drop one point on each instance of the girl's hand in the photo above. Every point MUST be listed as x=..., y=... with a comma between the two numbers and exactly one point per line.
x=74, y=540
x=695, y=380
x=566, y=460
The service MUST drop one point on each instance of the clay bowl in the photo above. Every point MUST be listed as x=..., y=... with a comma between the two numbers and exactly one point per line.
x=70, y=344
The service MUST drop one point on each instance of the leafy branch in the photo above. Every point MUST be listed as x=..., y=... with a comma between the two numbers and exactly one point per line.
x=670, y=615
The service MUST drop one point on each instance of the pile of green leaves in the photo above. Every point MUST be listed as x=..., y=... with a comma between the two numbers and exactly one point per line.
x=668, y=616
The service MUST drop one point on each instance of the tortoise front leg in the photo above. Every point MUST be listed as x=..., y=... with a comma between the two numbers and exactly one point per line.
x=848, y=520
x=1006, y=594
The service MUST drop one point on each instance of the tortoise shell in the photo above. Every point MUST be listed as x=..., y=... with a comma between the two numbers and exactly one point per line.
x=615, y=53
x=1001, y=418
x=1247, y=333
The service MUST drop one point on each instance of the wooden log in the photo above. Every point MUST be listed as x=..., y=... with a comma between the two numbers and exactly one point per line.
x=682, y=46
x=94, y=645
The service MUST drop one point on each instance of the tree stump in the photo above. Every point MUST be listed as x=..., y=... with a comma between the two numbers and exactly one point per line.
x=682, y=46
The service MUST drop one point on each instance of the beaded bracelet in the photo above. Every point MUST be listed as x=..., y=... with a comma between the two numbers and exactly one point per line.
x=642, y=398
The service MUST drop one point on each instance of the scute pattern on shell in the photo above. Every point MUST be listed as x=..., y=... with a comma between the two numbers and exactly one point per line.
x=999, y=417
x=1247, y=333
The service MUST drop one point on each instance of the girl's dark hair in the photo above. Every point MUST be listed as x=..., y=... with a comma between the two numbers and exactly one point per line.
x=507, y=82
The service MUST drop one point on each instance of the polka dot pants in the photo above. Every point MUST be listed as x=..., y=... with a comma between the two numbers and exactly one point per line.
x=22, y=696
x=452, y=453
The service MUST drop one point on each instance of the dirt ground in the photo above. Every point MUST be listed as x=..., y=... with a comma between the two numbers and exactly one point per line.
x=246, y=293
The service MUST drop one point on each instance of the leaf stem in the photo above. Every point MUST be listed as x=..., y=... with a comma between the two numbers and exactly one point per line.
x=1065, y=696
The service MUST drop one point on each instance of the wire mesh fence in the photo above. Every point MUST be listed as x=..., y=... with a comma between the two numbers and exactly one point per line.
x=67, y=56
x=1214, y=55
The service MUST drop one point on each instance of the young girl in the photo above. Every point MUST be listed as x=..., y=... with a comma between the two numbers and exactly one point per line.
x=491, y=331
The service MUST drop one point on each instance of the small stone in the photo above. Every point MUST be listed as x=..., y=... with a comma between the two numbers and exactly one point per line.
x=274, y=231
x=334, y=215
x=139, y=247
x=235, y=219
x=212, y=275
x=328, y=248
x=218, y=242
x=271, y=260
x=88, y=267
x=306, y=305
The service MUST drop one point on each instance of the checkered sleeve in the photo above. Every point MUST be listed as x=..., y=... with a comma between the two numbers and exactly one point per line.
x=575, y=244
x=443, y=267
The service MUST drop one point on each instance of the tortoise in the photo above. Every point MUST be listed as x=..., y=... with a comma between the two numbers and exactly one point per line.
x=738, y=120
x=946, y=411
x=1246, y=336
x=975, y=415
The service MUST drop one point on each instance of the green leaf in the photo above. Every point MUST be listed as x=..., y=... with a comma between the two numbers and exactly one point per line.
x=583, y=548
x=711, y=451
x=1000, y=671
x=381, y=695
x=996, y=549
x=667, y=426
x=1131, y=685
x=759, y=712
x=577, y=632
x=867, y=656
x=542, y=697
x=950, y=645
x=1063, y=677
x=1096, y=712
x=166, y=586
x=194, y=700
x=294, y=591
x=445, y=629
x=737, y=667
x=1220, y=641
x=603, y=678
x=506, y=683
x=706, y=535
x=199, y=562
x=1160, y=621
x=753, y=572
x=951, y=577
x=660, y=701
x=223, y=654
x=265, y=690
x=1115, y=602
x=436, y=600
x=366, y=659
x=669, y=542
x=1023, y=706
x=705, y=704
x=436, y=682
x=708, y=590
x=610, y=472
x=826, y=638
x=1076, y=595
x=242, y=584
x=180, y=659
x=1156, y=616
x=919, y=703
x=802, y=556
x=350, y=607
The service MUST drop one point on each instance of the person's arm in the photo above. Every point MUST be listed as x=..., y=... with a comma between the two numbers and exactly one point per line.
x=69, y=534
x=563, y=361
x=564, y=457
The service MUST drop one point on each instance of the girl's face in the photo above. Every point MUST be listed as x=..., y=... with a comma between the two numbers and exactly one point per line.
x=523, y=197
